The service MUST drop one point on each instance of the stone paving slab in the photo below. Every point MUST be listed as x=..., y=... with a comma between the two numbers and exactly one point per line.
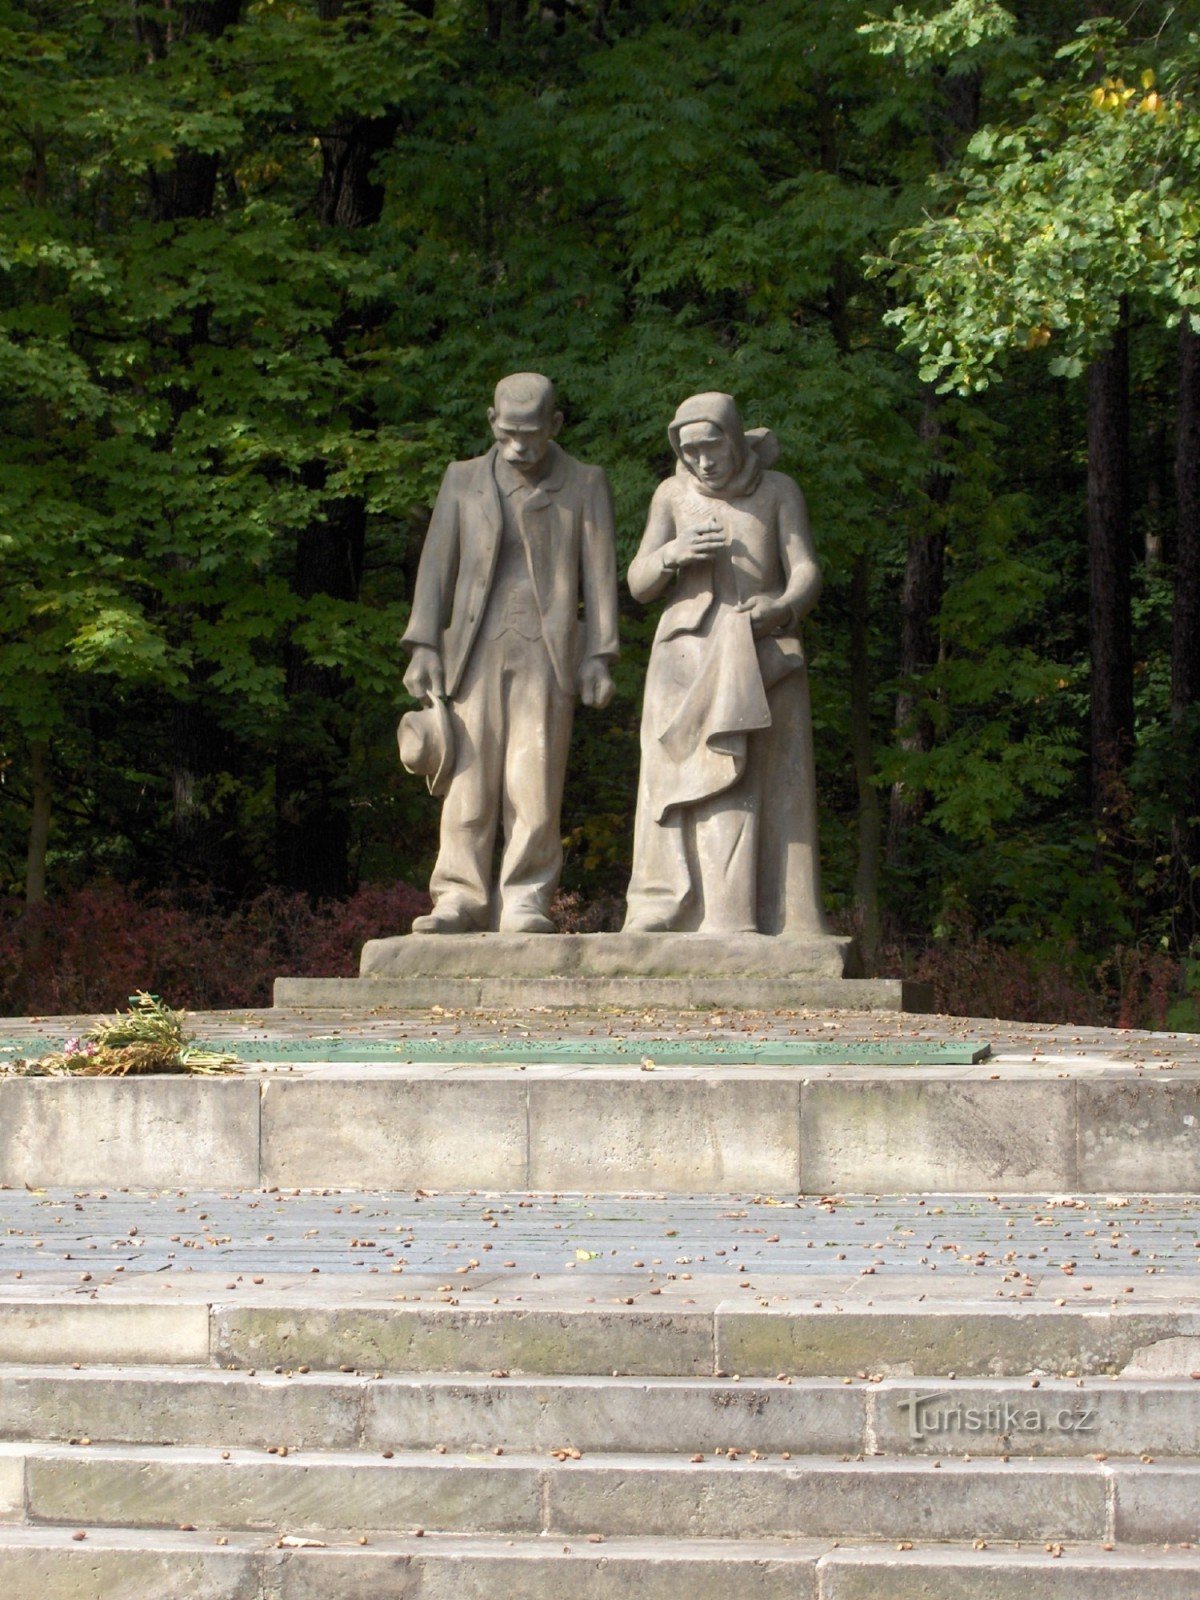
x=1046, y=1417
x=1041, y=1045
x=132, y=1564
x=1074, y=1572
x=1053, y=1243
x=316, y=1492
x=722, y=1495
x=583, y=1284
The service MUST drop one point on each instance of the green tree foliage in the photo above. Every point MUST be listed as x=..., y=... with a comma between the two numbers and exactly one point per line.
x=1072, y=219
x=261, y=262
x=1086, y=195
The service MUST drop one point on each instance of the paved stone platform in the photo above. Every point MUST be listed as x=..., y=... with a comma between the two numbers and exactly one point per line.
x=1040, y=1247
x=989, y=1286
x=334, y=1101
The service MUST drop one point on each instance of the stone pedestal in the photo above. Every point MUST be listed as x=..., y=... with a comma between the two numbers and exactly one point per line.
x=685, y=970
x=609, y=955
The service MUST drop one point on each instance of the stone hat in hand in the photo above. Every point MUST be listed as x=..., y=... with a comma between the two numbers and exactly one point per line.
x=426, y=740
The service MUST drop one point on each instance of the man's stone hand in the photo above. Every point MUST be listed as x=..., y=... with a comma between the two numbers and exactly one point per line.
x=700, y=542
x=767, y=616
x=595, y=683
x=426, y=677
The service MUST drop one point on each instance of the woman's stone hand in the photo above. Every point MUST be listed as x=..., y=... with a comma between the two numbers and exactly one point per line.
x=767, y=616
x=699, y=542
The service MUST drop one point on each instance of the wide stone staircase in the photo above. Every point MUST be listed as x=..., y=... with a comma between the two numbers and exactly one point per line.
x=624, y=1419
x=586, y=1309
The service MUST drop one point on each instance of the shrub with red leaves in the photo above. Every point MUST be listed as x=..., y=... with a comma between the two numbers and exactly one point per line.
x=977, y=977
x=92, y=949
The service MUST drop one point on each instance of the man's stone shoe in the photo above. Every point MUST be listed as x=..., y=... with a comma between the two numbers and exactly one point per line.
x=524, y=922
x=446, y=919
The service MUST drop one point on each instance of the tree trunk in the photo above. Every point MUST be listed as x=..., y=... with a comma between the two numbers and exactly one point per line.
x=312, y=793
x=1185, y=621
x=870, y=832
x=41, y=792
x=1185, y=633
x=186, y=190
x=920, y=604
x=953, y=117
x=1110, y=610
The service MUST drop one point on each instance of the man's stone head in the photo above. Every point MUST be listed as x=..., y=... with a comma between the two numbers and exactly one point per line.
x=524, y=418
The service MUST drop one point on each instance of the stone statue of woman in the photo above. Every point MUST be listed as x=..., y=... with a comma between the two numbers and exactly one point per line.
x=725, y=839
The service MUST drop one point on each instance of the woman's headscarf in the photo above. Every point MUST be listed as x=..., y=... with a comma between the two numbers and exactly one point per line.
x=753, y=450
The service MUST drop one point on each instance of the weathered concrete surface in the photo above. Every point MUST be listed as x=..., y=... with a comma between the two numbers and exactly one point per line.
x=557, y=1332
x=679, y=1137
x=129, y=1131
x=137, y=1565
x=872, y=1499
x=318, y=1492
x=363, y=995
x=605, y=955
x=935, y=1338
x=442, y=1338
x=188, y=1406
x=50, y=1564
x=1139, y=1136
x=1061, y=1417
x=61, y=1330
x=933, y=1134
x=1157, y=1501
x=660, y=1128
x=12, y=1482
x=625, y=1569
x=927, y=1573
x=403, y=1132
x=593, y=1414
x=1053, y=1109
x=309, y=1492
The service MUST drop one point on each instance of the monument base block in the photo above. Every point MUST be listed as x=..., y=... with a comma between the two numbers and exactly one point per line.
x=684, y=971
x=608, y=955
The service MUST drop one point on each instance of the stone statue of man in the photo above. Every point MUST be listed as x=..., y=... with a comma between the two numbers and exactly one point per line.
x=725, y=838
x=514, y=613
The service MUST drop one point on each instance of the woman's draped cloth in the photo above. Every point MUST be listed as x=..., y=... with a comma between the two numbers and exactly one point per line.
x=702, y=716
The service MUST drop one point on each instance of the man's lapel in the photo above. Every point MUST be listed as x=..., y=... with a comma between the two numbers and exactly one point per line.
x=535, y=519
x=488, y=498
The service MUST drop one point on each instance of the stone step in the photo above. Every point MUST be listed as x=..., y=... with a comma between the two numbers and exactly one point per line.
x=913, y=1416
x=316, y=1492
x=1076, y=1572
x=1034, y=1126
x=584, y=992
x=133, y=1564
x=547, y=1329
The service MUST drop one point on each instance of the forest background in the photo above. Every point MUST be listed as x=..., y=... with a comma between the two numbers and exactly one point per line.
x=261, y=262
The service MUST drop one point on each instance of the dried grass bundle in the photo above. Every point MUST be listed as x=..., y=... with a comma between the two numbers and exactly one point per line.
x=149, y=1037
